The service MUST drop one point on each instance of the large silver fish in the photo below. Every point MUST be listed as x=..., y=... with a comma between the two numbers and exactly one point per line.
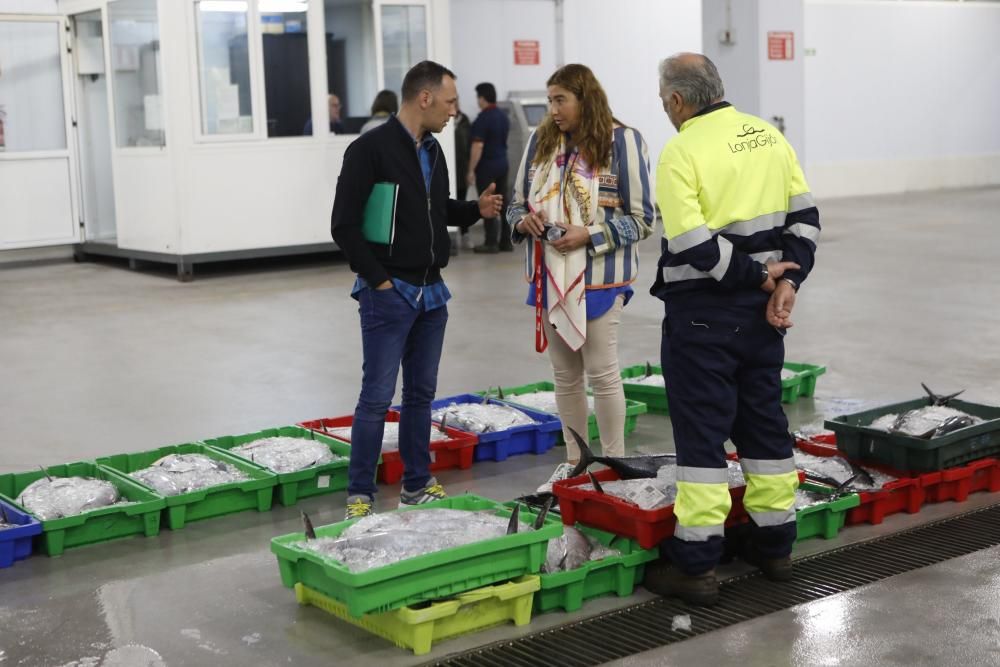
x=57, y=497
x=283, y=454
x=382, y=539
x=175, y=474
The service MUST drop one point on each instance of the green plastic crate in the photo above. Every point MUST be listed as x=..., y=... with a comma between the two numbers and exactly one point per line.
x=632, y=408
x=418, y=628
x=140, y=517
x=292, y=486
x=594, y=579
x=655, y=398
x=431, y=576
x=254, y=493
x=804, y=382
x=910, y=454
x=825, y=520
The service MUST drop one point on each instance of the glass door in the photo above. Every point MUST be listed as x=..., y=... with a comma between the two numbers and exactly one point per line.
x=36, y=180
x=94, y=127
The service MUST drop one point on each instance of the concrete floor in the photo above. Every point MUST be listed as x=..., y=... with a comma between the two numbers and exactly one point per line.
x=100, y=360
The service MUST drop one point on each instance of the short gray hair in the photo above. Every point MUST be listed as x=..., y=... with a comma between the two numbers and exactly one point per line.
x=694, y=77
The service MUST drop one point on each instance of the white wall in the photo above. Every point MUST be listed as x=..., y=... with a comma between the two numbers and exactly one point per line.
x=625, y=59
x=737, y=62
x=482, y=41
x=755, y=83
x=902, y=95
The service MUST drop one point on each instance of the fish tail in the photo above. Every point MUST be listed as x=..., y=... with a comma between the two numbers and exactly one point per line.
x=586, y=456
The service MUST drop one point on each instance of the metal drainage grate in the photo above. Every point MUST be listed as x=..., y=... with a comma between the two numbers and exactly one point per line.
x=645, y=626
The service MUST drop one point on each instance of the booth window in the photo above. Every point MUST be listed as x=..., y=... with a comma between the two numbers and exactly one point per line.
x=136, y=73
x=404, y=41
x=31, y=90
x=224, y=67
x=284, y=38
x=351, y=70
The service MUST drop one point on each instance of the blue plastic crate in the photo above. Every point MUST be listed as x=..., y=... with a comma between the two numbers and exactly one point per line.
x=15, y=543
x=531, y=439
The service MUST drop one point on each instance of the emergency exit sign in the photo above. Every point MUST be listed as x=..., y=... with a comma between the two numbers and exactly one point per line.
x=526, y=52
x=781, y=46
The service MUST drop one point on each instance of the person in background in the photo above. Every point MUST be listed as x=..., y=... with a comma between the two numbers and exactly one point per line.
x=385, y=104
x=462, y=129
x=401, y=295
x=740, y=229
x=336, y=127
x=583, y=191
x=488, y=163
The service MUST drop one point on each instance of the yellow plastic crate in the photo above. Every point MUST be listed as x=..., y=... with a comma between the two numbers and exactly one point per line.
x=418, y=629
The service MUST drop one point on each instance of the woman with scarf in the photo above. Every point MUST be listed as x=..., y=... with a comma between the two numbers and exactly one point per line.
x=582, y=200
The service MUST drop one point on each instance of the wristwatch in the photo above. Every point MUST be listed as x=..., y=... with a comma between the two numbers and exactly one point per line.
x=764, y=275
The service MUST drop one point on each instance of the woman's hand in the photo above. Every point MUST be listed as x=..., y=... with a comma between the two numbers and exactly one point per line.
x=573, y=237
x=532, y=224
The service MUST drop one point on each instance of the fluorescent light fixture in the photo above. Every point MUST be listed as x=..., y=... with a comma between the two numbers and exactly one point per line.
x=284, y=6
x=236, y=6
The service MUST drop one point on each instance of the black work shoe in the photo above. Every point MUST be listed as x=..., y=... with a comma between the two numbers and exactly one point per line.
x=775, y=569
x=701, y=589
x=486, y=249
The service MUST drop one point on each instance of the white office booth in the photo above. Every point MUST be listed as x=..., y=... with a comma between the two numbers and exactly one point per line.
x=183, y=131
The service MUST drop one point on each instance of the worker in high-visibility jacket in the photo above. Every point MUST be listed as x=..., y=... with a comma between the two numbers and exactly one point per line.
x=740, y=228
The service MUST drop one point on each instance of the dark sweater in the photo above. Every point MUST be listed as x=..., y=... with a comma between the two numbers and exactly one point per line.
x=421, y=247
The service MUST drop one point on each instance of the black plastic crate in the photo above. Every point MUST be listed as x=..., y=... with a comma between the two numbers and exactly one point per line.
x=907, y=453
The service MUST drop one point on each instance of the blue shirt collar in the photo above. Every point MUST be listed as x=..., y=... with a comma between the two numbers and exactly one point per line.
x=427, y=143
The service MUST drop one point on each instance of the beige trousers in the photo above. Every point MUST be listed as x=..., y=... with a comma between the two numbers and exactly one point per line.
x=599, y=359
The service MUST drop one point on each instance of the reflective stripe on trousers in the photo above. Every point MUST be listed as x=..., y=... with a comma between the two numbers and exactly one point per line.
x=770, y=494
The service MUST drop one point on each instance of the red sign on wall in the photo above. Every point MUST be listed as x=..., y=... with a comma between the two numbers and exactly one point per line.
x=781, y=46
x=526, y=52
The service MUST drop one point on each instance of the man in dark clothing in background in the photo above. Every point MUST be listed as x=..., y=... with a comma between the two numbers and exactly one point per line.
x=399, y=289
x=462, y=129
x=488, y=163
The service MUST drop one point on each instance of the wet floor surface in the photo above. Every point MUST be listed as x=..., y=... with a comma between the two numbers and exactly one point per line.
x=99, y=360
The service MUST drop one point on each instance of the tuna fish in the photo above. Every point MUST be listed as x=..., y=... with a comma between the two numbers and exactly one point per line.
x=627, y=467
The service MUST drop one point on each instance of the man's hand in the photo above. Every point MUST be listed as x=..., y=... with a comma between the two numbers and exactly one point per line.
x=532, y=224
x=780, y=305
x=774, y=272
x=490, y=203
x=384, y=285
x=573, y=237
x=470, y=177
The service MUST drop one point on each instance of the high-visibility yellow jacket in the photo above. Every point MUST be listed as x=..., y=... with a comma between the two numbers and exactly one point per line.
x=733, y=197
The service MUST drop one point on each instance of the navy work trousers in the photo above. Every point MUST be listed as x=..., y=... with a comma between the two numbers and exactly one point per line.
x=722, y=370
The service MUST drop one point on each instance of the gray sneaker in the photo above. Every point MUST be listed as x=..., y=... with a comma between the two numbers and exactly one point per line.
x=431, y=491
x=359, y=506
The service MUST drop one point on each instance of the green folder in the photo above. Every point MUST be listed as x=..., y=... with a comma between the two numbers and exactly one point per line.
x=379, y=225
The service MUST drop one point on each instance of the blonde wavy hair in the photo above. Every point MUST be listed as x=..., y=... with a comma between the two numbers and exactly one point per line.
x=594, y=138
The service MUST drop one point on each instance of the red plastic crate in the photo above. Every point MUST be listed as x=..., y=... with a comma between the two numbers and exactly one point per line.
x=906, y=494
x=957, y=483
x=649, y=527
x=455, y=452
x=951, y=484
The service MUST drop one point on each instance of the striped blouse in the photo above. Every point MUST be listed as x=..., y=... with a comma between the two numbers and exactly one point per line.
x=626, y=203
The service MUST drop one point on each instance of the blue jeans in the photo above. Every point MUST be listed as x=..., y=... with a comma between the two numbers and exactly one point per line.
x=393, y=332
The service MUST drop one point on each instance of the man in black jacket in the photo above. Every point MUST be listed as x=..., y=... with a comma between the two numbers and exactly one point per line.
x=399, y=288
